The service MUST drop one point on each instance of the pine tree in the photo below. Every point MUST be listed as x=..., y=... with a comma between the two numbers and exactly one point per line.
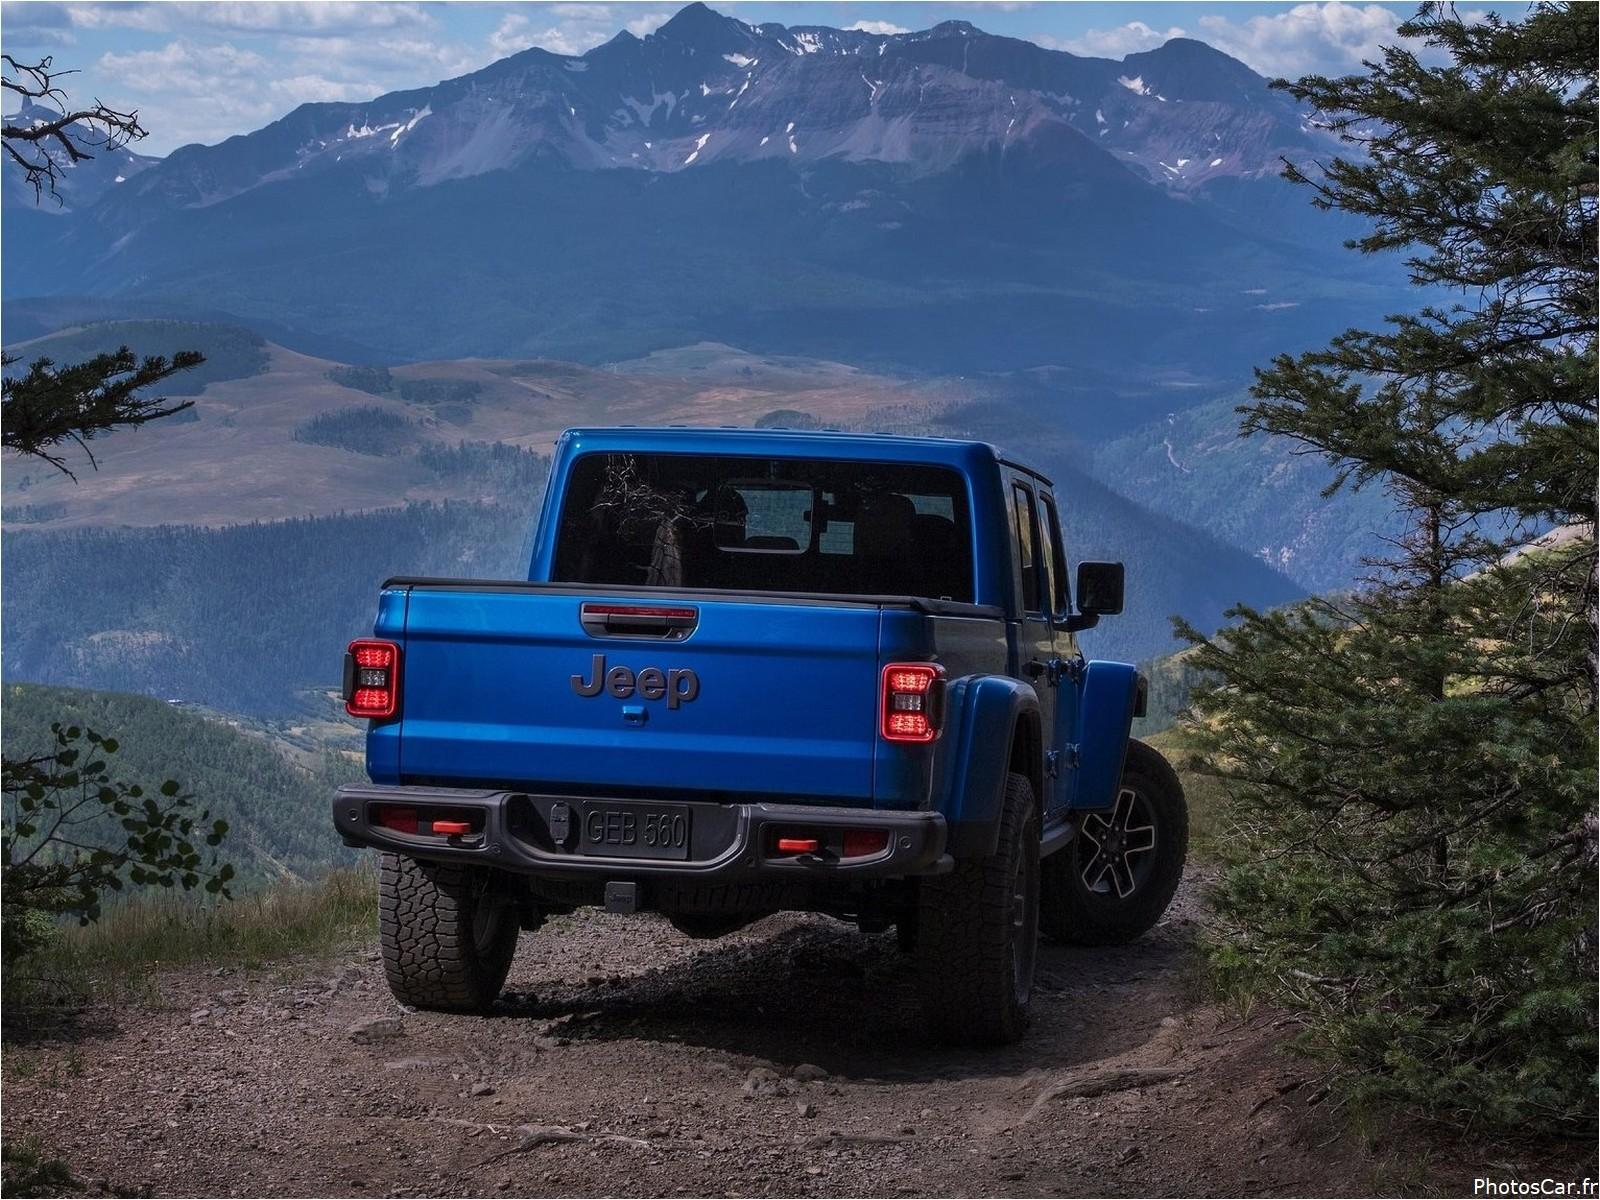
x=48, y=406
x=1410, y=769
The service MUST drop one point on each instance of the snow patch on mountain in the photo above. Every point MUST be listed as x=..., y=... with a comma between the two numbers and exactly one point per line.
x=699, y=145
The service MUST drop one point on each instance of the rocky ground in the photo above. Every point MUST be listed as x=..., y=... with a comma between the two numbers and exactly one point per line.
x=627, y=1059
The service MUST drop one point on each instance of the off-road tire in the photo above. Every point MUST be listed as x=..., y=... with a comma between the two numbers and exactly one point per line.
x=447, y=938
x=977, y=933
x=1071, y=911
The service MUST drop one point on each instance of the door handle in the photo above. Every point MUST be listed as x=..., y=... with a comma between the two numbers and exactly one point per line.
x=1052, y=670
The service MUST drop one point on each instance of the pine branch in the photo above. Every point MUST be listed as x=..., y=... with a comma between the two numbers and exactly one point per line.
x=48, y=407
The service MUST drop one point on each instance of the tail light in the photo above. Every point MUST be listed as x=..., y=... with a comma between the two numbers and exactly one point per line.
x=372, y=679
x=913, y=695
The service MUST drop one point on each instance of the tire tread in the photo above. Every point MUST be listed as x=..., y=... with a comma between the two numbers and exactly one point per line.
x=425, y=920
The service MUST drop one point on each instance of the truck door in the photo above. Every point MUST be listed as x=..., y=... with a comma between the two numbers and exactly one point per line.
x=1036, y=640
x=1059, y=739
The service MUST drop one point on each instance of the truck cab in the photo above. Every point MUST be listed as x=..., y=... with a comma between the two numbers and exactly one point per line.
x=758, y=671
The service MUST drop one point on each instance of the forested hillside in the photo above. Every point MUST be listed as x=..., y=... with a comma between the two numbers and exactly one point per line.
x=1254, y=493
x=242, y=618
x=274, y=800
x=249, y=617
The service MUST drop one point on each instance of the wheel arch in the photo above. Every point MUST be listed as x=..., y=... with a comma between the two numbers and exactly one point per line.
x=994, y=729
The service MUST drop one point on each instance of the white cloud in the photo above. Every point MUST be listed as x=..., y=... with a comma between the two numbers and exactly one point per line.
x=317, y=89
x=302, y=17
x=180, y=66
x=648, y=24
x=1320, y=36
x=879, y=27
x=188, y=92
x=1327, y=37
x=558, y=39
x=1113, y=43
x=510, y=36
x=36, y=24
x=578, y=28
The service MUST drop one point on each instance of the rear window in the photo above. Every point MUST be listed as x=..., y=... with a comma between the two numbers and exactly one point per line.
x=766, y=524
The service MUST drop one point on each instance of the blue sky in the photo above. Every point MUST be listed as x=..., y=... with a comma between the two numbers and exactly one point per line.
x=200, y=72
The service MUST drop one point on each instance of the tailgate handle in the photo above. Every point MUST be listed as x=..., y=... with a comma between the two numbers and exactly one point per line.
x=670, y=623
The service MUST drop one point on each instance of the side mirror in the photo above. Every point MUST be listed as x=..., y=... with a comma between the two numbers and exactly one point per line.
x=1100, y=587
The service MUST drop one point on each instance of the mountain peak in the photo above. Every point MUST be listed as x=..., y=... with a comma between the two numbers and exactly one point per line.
x=696, y=22
x=1193, y=70
x=955, y=29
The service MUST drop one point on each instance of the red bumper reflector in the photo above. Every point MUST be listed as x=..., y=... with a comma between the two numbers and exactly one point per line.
x=401, y=820
x=450, y=828
x=858, y=843
x=795, y=845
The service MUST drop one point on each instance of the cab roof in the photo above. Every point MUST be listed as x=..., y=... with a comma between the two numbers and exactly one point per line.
x=960, y=453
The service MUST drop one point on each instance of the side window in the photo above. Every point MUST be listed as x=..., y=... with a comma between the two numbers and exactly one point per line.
x=1061, y=600
x=1027, y=524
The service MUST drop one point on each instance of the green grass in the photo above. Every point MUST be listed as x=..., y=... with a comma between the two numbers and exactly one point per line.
x=1206, y=796
x=27, y=1169
x=117, y=956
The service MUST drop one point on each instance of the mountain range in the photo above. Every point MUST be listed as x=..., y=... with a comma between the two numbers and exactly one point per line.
x=943, y=231
x=939, y=202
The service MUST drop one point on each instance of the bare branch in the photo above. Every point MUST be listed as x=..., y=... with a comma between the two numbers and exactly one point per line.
x=64, y=138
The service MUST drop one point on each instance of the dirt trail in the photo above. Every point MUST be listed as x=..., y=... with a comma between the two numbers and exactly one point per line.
x=626, y=1059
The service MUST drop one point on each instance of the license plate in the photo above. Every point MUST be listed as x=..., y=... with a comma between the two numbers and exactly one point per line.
x=634, y=830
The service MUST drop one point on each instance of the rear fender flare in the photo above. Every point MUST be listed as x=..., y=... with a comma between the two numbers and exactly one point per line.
x=993, y=729
x=1112, y=692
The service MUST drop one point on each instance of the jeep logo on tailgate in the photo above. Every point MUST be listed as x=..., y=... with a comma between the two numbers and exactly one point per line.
x=676, y=686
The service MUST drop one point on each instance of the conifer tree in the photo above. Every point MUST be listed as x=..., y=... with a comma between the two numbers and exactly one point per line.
x=1410, y=769
x=50, y=406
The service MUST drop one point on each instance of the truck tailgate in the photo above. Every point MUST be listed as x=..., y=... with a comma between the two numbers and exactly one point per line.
x=495, y=684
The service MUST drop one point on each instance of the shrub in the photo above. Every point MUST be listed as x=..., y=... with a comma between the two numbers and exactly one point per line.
x=72, y=834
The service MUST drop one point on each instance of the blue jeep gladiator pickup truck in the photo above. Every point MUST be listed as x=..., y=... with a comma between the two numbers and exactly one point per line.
x=753, y=671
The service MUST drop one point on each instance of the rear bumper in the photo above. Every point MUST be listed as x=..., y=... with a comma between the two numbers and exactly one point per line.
x=511, y=831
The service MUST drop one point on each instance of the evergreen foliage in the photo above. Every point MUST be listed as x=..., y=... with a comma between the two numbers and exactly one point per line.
x=226, y=351
x=375, y=381
x=360, y=430
x=439, y=391
x=49, y=407
x=1410, y=852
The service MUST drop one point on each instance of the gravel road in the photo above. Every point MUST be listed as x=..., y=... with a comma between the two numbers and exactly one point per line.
x=627, y=1059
